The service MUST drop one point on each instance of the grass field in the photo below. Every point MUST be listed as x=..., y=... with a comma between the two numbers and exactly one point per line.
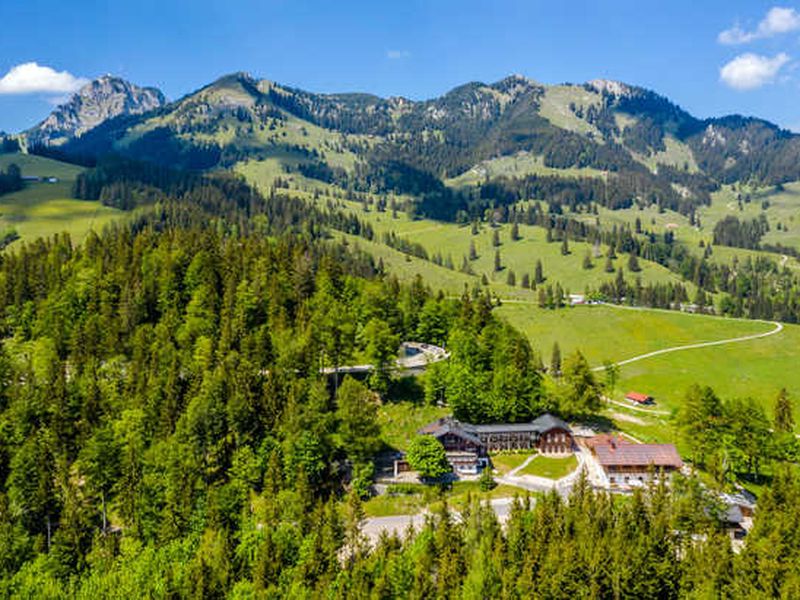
x=612, y=333
x=516, y=165
x=551, y=467
x=520, y=256
x=554, y=106
x=783, y=207
x=43, y=209
x=506, y=462
x=757, y=368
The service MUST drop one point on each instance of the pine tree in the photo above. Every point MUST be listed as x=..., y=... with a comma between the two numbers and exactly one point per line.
x=512, y=278
x=633, y=263
x=784, y=417
x=538, y=273
x=609, y=268
x=587, y=260
x=564, y=246
x=555, y=360
x=515, y=232
x=526, y=281
x=473, y=253
x=498, y=265
x=496, y=238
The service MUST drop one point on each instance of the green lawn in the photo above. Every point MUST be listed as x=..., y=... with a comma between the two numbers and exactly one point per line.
x=507, y=462
x=551, y=467
x=386, y=505
x=44, y=209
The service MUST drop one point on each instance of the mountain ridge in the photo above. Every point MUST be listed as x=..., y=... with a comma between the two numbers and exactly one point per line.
x=363, y=141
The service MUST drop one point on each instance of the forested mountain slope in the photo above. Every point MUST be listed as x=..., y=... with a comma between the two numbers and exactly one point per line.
x=641, y=144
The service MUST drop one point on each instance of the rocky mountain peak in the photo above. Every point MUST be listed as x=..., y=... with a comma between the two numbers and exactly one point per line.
x=99, y=100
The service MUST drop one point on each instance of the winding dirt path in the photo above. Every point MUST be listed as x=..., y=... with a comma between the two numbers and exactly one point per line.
x=745, y=338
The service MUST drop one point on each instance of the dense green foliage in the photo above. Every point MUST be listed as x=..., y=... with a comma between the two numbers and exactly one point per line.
x=167, y=426
x=10, y=179
x=426, y=455
x=492, y=374
x=735, y=437
x=732, y=232
x=157, y=377
x=657, y=544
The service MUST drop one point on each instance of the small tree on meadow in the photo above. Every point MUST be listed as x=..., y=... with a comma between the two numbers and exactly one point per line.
x=784, y=417
x=538, y=273
x=555, y=360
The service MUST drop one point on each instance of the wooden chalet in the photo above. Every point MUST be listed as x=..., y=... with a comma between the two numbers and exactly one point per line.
x=547, y=434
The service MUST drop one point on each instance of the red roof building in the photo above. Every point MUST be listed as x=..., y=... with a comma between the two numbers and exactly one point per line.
x=638, y=398
x=624, y=462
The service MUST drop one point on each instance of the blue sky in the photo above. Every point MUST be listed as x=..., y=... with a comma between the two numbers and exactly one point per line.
x=712, y=57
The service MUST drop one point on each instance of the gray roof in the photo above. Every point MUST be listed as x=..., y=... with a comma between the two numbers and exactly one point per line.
x=452, y=426
x=504, y=428
x=546, y=422
x=734, y=515
x=468, y=431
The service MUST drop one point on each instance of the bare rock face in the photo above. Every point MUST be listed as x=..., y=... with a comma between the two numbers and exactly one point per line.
x=96, y=102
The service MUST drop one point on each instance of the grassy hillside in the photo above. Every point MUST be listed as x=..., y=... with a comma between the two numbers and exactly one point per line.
x=43, y=209
x=516, y=165
x=520, y=256
x=757, y=368
x=614, y=333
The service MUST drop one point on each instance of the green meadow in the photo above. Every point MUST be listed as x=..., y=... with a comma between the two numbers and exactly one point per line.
x=755, y=368
x=44, y=209
x=613, y=333
x=452, y=241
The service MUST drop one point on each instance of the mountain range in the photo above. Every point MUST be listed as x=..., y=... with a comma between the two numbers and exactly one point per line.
x=475, y=134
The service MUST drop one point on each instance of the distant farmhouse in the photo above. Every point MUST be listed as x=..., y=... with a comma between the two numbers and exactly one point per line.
x=627, y=464
x=467, y=445
x=639, y=398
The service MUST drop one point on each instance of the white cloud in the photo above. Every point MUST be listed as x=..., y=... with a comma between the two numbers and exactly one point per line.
x=32, y=78
x=777, y=21
x=750, y=71
x=397, y=54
